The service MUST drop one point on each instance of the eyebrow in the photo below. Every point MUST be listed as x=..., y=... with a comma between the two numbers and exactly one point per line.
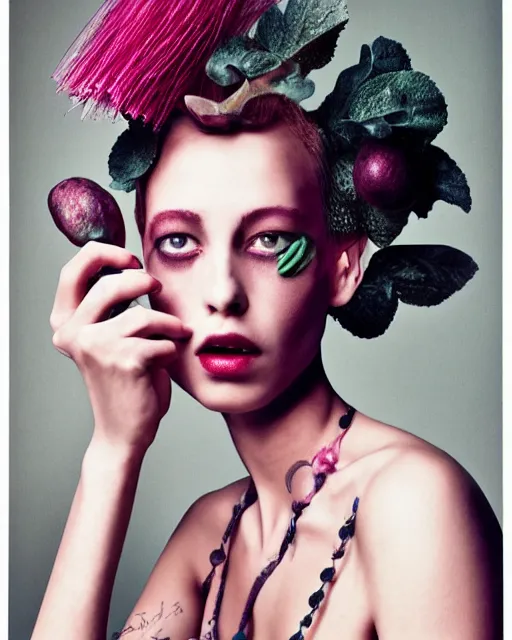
x=248, y=218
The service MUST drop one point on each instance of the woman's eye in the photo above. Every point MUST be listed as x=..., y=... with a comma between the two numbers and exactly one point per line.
x=177, y=244
x=271, y=243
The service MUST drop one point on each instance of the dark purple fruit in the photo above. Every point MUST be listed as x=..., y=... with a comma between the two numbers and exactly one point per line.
x=84, y=211
x=384, y=175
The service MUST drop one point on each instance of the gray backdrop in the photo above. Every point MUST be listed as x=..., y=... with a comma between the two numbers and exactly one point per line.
x=436, y=372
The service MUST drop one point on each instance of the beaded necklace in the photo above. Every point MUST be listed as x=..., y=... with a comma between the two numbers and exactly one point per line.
x=323, y=464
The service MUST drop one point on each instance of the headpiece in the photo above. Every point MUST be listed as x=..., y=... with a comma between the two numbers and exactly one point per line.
x=144, y=60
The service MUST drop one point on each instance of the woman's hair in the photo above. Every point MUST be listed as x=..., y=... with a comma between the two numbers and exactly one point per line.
x=263, y=112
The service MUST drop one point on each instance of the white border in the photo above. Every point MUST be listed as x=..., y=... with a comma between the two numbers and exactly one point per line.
x=507, y=315
x=4, y=316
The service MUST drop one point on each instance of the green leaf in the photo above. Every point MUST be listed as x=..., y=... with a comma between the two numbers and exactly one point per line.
x=127, y=185
x=426, y=275
x=294, y=86
x=240, y=58
x=353, y=132
x=421, y=275
x=442, y=179
x=305, y=21
x=387, y=56
x=371, y=309
x=319, y=52
x=132, y=155
x=383, y=56
x=270, y=29
x=404, y=99
x=383, y=227
x=344, y=207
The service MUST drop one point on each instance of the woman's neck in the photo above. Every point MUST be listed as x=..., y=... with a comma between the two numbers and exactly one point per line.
x=293, y=427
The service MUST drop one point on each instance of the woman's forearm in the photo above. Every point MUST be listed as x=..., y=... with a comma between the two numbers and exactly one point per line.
x=77, y=599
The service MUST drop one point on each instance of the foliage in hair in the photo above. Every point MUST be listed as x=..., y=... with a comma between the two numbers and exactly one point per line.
x=420, y=275
x=381, y=100
x=132, y=155
x=305, y=34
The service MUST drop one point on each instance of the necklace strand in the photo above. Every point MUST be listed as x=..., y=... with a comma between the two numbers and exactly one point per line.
x=323, y=463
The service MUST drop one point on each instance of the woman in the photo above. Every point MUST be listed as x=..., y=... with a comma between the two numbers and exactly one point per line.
x=215, y=208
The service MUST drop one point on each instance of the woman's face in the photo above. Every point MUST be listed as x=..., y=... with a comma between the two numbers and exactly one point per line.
x=218, y=207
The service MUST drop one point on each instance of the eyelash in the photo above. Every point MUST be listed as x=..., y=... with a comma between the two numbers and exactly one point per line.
x=178, y=255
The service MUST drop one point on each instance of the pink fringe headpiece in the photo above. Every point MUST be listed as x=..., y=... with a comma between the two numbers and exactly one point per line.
x=139, y=58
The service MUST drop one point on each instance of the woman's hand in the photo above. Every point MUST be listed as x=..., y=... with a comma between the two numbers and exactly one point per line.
x=122, y=366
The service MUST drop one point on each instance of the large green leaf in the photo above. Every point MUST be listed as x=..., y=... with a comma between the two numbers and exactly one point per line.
x=371, y=309
x=442, y=179
x=383, y=227
x=132, y=155
x=426, y=275
x=305, y=21
x=240, y=58
x=319, y=52
x=344, y=207
x=421, y=275
x=270, y=29
x=383, y=56
x=388, y=56
x=404, y=99
x=294, y=85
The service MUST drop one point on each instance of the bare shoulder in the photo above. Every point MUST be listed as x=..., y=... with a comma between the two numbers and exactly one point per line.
x=403, y=469
x=427, y=535
x=406, y=478
x=171, y=603
x=201, y=528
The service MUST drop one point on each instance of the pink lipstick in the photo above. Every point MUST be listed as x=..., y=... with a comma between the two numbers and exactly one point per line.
x=227, y=354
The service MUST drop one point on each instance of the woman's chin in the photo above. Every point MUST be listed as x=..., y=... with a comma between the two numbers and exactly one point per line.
x=228, y=397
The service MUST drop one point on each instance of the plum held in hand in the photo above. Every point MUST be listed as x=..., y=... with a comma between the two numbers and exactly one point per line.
x=84, y=211
x=384, y=175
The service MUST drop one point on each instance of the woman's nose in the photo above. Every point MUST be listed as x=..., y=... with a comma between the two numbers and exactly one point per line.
x=224, y=292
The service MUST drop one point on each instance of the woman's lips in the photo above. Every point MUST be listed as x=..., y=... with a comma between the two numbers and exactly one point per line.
x=227, y=354
x=226, y=363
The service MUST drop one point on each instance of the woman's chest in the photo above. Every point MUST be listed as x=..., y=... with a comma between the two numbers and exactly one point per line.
x=295, y=598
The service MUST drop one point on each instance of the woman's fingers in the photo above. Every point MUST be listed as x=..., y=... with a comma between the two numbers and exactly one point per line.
x=148, y=323
x=109, y=291
x=75, y=276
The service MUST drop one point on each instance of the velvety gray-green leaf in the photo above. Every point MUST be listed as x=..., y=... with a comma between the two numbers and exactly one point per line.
x=333, y=108
x=240, y=58
x=319, y=52
x=388, y=56
x=294, y=86
x=383, y=227
x=421, y=275
x=307, y=20
x=371, y=309
x=442, y=179
x=425, y=275
x=352, y=132
x=133, y=154
x=404, y=99
x=127, y=185
x=344, y=208
x=270, y=29
x=383, y=56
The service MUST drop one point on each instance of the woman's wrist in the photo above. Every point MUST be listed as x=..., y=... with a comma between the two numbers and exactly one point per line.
x=106, y=455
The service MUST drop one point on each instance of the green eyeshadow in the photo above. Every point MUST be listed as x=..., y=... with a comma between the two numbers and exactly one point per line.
x=295, y=258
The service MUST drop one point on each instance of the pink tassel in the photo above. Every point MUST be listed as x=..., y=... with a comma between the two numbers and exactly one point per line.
x=140, y=57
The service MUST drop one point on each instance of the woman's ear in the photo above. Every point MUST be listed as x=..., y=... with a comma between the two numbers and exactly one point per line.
x=348, y=270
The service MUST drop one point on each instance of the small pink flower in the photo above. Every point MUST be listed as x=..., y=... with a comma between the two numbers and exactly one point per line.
x=326, y=459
